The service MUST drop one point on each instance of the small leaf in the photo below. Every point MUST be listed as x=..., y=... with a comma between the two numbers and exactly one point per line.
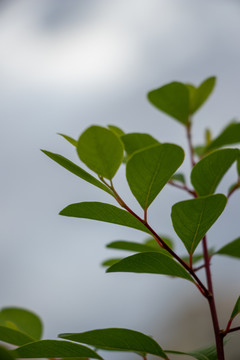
x=14, y=337
x=117, y=131
x=230, y=135
x=23, y=320
x=132, y=246
x=54, y=349
x=209, y=353
x=137, y=141
x=103, y=212
x=199, y=150
x=150, y=263
x=231, y=249
x=172, y=99
x=5, y=354
x=110, y=262
x=101, y=150
x=117, y=339
x=179, y=177
x=198, y=95
x=148, y=170
x=76, y=170
x=236, y=309
x=152, y=242
x=69, y=139
x=193, y=218
x=208, y=172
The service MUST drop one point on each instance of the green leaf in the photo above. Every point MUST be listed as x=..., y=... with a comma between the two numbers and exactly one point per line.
x=231, y=249
x=179, y=177
x=198, y=95
x=54, y=349
x=101, y=150
x=209, y=353
x=152, y=242
x=199, y=150
x=148, y=170
x=110, y=262
x=236, y=309
x=193, y=218
x=103, y=212
x=238, y=166
x=117, y=131
x=5, y=354
x=132, y=246
x=22, y=320
x=118, y=339
x=137, y=141
x=208, y=172
x=76, y=170
x=12, y=336
x=172, y=99
x=150, y=263
x=69, y=139
x=230, y=135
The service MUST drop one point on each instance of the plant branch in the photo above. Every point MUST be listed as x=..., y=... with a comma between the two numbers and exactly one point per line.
x=237, y=328
x=189, y=138
x=183, y=187
x=235, y=187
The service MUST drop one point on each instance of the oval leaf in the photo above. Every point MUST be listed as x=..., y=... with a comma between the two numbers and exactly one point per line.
x=101, y=150
x=13, y=336
x=147, y=171
x=118, y=339
x=172, y=99
x=54, y=349
x=198, y=95
x=193, y=218
x=137, y=141
x=150, y=263
x=103, y=212
x=231, y=249
x=208, y=172
x=23, y=320
x=119, y=132
x=236, y=309
x=230, y=135
x=76, y=170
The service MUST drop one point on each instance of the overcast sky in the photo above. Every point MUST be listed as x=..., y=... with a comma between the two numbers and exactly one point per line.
x=67, y=64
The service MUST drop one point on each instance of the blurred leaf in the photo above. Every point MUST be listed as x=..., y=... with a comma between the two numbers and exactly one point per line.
x=103, y=212
x=150, y=263
x=13, y=336
x=172, y=99
x=231, y=249
x=69, y=139
x=147, y=171
x=209, y=353
x=208, y=172
x=137, y=141
x=208, y=137
x=117, y=131
x=193, y=218
x=235, y=186
x=116, y=339
x=101, y=150
x=23, y=320
x=199, y=150
x=5, y=354
x=152, y=242
x=236, y=309
x=230, y=135
x=76, y=170
x=110, y=262
x=238, y=166
x=54, y=349
x=198, y=95
x=195, y=258
x=179, y=177
x=133, y=246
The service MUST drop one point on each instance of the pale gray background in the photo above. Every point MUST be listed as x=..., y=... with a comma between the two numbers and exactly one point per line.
x=67, y=64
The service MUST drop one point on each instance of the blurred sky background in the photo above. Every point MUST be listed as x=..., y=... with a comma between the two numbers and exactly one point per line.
x=67, y=64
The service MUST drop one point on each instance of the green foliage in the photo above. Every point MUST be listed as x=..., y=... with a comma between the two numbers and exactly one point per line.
x=149, y=170
x=69, y=139
x=137, y=141
x=198, y=95
x=230, y=135
x=117, y=131
x=101, y=150
x=236, y=309
x=231, y=249
x=5, y=354
x=193, y=218
x=208, y=353
x=119, y=340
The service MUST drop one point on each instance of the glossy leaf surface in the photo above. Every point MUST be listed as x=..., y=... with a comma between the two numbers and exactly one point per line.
x=103, y=212
x=150, y=263
x=54, y=349
x=118, y=339
x=22, y=320
x=69, y=139
x=172, y=99
x=76, y=170
x=193, y=218
x=230, y=135
x=198, y=95
x=208, y=172
x=231, y=249
x=137, y=141
x=101, y=150
x=236, y=309
x=147, y=171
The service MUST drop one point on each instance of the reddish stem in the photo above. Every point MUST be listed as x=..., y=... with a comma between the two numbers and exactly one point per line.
x=182, y=187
